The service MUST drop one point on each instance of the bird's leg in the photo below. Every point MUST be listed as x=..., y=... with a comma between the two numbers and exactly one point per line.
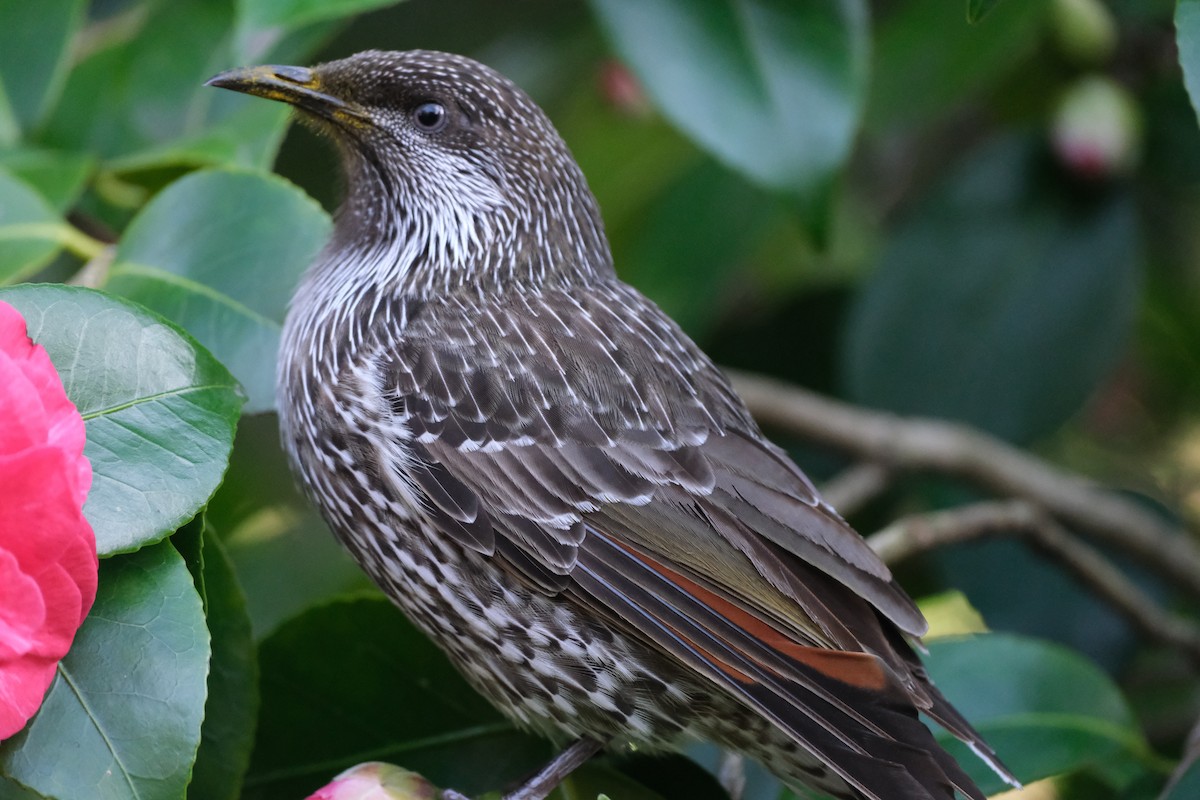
x=543, y=782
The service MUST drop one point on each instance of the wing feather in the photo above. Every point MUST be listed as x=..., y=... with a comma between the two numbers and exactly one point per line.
x=867, y=733
x=582, y=440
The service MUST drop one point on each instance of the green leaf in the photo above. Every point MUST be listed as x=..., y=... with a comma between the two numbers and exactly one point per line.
x=160, y=410
x=30, y=230
x=772, y=88
x=927, y=61
x=248, y=137
x=11, y=790
x=978, y=9
x=353, y=681
x=10, y=130
x=1002, y=302
x=122, y=717
x=231, y=711
x=692, y=239
x=692, y=774
x=148, y=90
x=220, y=253
x=264, y=522
x=1187, y=39
x=34, y=53
x=59, y=177
x=295, y=13
x=1186, y=786
x=595, y=781
x=1045, y=709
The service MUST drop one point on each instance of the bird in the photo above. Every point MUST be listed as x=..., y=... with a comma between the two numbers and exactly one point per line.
x=552, y=481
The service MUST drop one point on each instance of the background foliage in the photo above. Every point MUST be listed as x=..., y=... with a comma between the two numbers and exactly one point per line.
x=981, y=210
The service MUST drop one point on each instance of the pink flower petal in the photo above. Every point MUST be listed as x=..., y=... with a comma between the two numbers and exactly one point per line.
x=48, y=563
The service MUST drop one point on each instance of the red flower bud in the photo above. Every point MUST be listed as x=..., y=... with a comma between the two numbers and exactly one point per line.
x=48, y=558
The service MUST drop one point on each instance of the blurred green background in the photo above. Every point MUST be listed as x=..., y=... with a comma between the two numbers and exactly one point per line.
x=982, y=211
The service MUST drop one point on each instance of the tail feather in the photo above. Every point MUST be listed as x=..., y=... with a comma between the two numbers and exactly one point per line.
x=857, y=720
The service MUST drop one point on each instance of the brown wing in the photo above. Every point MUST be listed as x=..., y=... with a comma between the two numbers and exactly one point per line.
x=582, y=440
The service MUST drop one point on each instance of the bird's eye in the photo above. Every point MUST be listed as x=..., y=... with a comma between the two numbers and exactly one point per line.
x=430, y=117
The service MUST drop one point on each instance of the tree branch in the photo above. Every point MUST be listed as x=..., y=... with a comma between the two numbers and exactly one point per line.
x=915, y=444
x=1191, y=754
x=919, y=533
x=853, y=488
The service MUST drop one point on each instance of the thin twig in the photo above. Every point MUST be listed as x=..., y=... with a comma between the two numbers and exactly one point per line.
x=95, y=271
x=919, y=533
x=925, y=444
x=853, y=488
x=1191, y=754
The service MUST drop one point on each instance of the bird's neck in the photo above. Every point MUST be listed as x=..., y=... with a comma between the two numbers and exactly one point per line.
x=419, y=242
x=388, y=257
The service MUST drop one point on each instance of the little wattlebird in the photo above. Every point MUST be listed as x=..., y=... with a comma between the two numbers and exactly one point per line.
x=551, y=480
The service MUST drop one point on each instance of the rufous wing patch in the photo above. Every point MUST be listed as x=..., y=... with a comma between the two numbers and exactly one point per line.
x=862, y=670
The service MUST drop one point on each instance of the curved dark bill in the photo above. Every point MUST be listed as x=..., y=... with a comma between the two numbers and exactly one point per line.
x=297, y=86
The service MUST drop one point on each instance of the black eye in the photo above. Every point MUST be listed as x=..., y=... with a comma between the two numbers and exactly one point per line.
x=430, y=117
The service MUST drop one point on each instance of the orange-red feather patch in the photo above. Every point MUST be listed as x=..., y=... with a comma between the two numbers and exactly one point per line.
x=857, y=669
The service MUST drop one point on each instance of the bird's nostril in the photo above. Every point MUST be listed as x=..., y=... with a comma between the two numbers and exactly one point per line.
x=302, y=75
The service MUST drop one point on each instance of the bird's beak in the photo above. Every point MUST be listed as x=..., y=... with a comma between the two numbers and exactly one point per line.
x=297, y=86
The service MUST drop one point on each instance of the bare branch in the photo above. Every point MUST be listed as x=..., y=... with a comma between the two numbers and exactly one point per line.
x=925, y=444
x=858, y=485
x=1191, y=754
x=93, y=273
x=1019, y=518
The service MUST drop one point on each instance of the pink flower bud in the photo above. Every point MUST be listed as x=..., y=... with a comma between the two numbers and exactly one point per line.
x=1096, y=131
x=622, y=90
x=375, y=780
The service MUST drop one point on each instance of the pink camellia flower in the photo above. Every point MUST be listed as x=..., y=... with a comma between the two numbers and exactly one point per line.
x=48, y=558
x=375, y=780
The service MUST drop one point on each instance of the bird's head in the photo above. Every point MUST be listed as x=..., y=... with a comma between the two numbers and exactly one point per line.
x=454, y=175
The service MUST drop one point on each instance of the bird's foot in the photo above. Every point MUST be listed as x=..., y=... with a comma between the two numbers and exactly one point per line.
x=545, y=780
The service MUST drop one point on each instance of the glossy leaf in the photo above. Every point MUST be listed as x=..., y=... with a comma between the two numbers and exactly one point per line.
x=34, y=53
x=295, y=13
x=1045, y=709
x=1187, y=38
x=59, y=177
x=1186, y=786
x=265, y=522
x=30, y=230
x=593, y=781
x=928, y=60
x=160, y=410
x=249, y=136
x=692, y=774
x=772, y=88
x=1002, y=302
x=231, y=710
x=123, y=714
x=10, y=129
x=405, y=705
x=148, y=90
x=11, y=790
x=692, y=240
x=220, y=253
x=978, y=9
